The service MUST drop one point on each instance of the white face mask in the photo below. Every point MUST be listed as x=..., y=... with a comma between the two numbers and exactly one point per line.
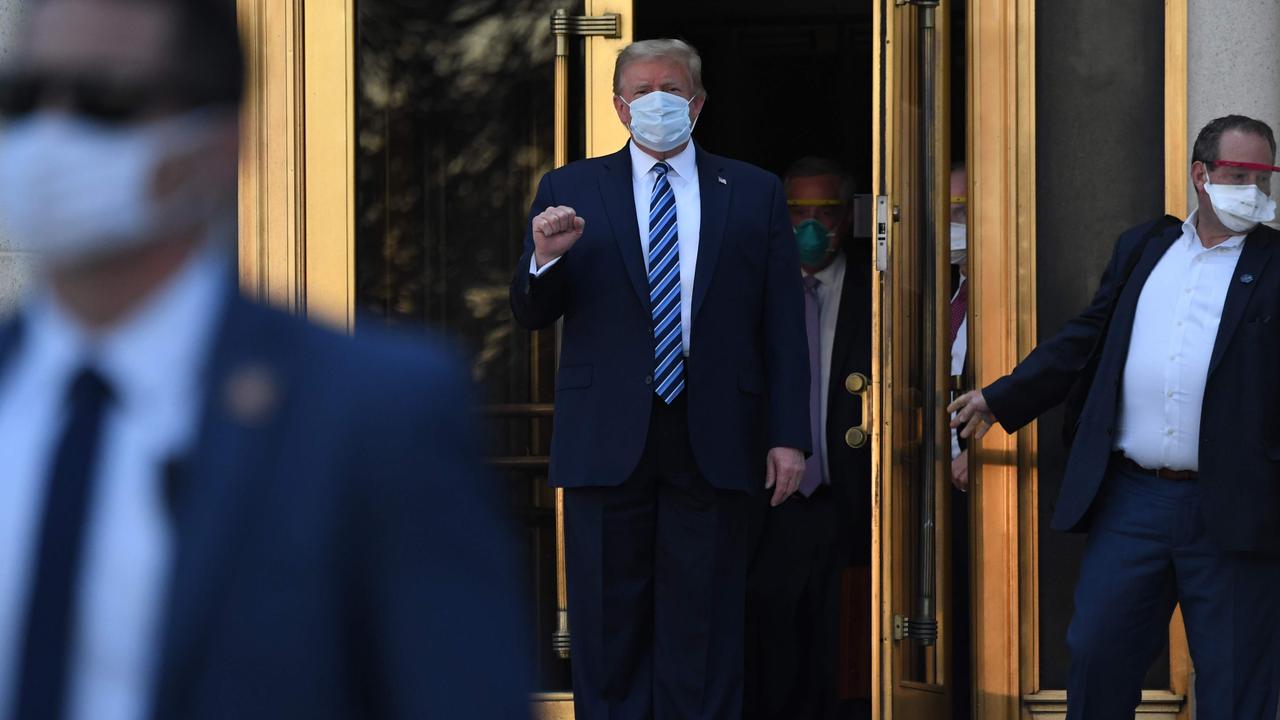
x=1240, y=207
x=73, y=189
x=660, y=121
x=959, y=243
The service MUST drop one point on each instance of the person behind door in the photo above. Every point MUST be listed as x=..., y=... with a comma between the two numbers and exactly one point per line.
x=209, y=509
x=802, y=547
x=959, y=312
x=682, y=390
x=1175, y=467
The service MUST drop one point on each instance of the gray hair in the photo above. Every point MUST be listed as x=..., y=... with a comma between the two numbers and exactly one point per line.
x=811, y=166
x=669, y=49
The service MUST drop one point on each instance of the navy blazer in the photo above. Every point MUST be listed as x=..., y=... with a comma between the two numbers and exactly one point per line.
x=1239, y=427
x=338, y=553
x=747, y=374
x=850, y=468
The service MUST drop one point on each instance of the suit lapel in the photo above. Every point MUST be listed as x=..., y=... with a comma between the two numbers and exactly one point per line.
x=715, y=188
x=211, y=490
x=1127, y=305
x=850, y=322
x=1253, y=258
x=618, y=191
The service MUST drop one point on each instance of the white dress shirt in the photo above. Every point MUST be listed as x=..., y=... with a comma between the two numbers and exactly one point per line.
x=683, y=177
x=152, y=363
x=830, y=288
x=1174, y=330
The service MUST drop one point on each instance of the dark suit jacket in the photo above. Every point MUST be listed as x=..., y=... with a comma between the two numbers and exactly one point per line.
x=1239, y=428
x=849, y=468
x=747, y=373
x=337, y=553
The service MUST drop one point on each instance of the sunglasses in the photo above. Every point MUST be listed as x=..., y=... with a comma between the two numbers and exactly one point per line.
x=107, y=100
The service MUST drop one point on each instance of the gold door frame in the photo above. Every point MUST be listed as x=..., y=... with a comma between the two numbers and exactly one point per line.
x=297, y=189
x=1002, y=304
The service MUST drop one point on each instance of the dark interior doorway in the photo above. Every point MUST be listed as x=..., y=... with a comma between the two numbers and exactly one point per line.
x=784, y=80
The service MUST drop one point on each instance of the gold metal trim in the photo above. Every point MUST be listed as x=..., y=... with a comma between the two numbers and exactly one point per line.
x=1001, y=192
x=1155, y=705
x=859, y=386
x=609, y=25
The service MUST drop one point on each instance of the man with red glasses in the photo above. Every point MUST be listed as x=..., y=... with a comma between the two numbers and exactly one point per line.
x=209, y=509
x=1172, y=381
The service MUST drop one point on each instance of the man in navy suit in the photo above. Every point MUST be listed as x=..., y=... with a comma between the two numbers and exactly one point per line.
x=805, y=545
x=209, y=509
x=1173, y=372
x=682, y=390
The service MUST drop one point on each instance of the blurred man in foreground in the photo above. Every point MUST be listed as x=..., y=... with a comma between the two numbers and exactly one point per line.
x=208, y=509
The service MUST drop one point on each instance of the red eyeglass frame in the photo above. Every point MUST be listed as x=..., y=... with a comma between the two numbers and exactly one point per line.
x=1245, y=165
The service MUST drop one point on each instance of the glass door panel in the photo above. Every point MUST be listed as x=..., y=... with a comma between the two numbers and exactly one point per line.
x=455, y=124
x=913, y=445
x=460, y=107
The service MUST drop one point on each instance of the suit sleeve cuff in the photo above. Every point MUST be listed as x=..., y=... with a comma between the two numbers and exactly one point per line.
x=536, y=271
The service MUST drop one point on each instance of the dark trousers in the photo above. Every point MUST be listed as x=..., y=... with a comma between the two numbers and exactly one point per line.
x=657, y=574
x=793, y=609
x=1147, y=550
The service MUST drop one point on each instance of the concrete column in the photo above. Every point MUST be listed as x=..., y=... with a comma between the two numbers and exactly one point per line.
x=1233, y=64
x=15, y=267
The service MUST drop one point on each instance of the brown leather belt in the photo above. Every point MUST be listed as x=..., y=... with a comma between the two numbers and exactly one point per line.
x=1164, y=473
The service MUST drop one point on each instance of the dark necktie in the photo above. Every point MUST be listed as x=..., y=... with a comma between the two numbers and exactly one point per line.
x=51, y=612
x=664, y=288
x=959, y=306
x=813, y=328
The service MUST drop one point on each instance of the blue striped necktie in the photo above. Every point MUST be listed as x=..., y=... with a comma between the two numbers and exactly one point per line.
x=664, y=288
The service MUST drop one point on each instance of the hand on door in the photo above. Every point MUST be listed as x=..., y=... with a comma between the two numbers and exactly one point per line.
x=971, y=413
x=960, y=471
x=555, y=230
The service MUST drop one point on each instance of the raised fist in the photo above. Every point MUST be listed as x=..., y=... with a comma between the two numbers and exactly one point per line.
x=555, y=230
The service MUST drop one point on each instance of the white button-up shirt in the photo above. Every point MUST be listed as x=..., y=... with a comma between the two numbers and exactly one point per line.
x=1174, y=330
x=830, y=288
x=153, y=363
x=683, y=177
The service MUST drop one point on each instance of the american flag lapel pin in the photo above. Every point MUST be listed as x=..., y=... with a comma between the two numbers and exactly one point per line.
x=722, y=180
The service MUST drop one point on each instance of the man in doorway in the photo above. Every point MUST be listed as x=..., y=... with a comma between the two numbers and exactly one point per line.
x=209, y=509
x=1173, y=470
x=682, y=391
x=802, y=547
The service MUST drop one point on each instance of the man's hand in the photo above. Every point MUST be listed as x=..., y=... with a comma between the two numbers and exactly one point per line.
x=555, y=230
x=783, y=470
x=960, y=471
x=972, y=414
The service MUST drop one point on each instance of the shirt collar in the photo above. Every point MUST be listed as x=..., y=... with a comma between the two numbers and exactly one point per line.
x=831, y=274
x=153, y=358
x=683, y=164
x=1193, y=238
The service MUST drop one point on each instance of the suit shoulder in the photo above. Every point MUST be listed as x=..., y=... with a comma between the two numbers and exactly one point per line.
x=1267, y=233
x=376, y=363
x=1137, y=232
x=576, y=171
x=746, y=171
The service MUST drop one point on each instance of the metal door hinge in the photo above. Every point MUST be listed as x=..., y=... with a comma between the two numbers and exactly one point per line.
x=924, y=631
x=563, y=25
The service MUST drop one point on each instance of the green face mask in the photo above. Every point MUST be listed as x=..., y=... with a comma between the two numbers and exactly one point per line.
x=814, y=242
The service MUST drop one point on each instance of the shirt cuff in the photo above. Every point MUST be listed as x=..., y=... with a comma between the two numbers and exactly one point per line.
x=534, y=270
